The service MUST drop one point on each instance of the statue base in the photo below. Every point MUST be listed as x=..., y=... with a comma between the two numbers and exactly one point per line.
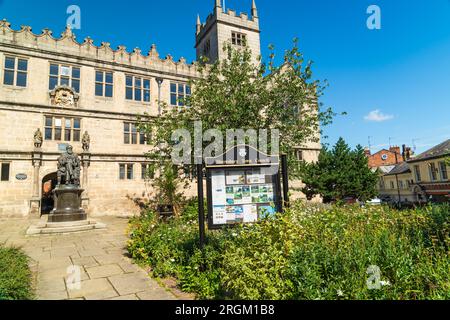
x=67, y=204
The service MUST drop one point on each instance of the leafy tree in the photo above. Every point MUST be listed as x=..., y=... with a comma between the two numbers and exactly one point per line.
x=447, y=161
x=236, y=93
x=340, y=173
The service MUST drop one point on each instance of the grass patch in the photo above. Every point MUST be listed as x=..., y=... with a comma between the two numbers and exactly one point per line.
x=15, y=275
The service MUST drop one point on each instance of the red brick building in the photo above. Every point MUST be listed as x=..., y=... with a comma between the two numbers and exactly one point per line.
x=385, y=157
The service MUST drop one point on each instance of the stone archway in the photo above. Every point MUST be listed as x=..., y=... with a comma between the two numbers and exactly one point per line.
x=48, y=184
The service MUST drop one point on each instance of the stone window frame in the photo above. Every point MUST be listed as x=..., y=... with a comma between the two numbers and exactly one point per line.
x=126, y=167
x=71, y=78
x=299, y=155
x=129, y=134
x=144, y=168
x=74, y=132
x=177, y=96
x=443, y=171
x=144, y=171
x=15, y=71
x=238, y=38
x=142, y=89
x=2, y=163
x=432, y=170
x=417, y=173
x=104, y=84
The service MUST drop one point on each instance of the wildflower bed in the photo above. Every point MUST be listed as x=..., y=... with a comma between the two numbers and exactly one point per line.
x=305, y=253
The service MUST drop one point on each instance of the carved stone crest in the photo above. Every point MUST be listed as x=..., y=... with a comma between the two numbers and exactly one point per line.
x=64, y=97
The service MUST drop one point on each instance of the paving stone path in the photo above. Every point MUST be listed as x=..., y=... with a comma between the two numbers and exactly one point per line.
x=99, y=256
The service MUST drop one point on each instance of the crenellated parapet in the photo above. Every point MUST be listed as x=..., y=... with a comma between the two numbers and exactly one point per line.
x=228, y=17
x=68, y=45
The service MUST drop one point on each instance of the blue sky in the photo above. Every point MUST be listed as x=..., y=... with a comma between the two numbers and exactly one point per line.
x=399, y=75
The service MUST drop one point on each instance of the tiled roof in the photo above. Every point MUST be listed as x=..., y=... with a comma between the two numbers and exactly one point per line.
x=438, y=151
x=399, y=169
x=383, y=169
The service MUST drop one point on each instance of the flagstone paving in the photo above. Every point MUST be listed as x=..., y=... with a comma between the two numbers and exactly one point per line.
x=98, y=257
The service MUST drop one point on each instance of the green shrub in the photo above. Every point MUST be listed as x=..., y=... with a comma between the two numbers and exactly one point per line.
x=15, y=276
x=307, y=252
x=340, y=245
x=171, y=249
x=256, y=260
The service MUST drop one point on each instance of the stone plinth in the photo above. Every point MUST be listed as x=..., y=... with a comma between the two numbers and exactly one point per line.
x=67, y=204
x=64, y=227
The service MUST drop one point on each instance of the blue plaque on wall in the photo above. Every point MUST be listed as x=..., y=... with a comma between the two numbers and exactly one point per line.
x=21, y=176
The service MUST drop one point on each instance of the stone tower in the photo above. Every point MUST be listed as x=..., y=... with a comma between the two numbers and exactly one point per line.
x=221, y=26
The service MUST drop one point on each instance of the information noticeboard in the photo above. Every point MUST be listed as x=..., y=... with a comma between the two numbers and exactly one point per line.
x=243, y=185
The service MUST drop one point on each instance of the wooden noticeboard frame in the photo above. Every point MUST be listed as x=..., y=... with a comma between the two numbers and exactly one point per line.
x=244, y=158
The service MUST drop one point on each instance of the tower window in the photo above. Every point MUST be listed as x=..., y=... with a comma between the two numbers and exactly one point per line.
x=238, y=39
x=207, y=47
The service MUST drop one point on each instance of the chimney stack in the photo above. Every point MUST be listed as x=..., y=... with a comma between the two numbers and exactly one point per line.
x=395, y=149
x=406, y=153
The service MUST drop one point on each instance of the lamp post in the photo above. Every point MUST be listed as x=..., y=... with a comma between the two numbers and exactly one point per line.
x=396, y=178
x=159, y=81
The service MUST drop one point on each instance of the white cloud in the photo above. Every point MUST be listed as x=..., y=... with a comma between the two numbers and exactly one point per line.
x=378, y=116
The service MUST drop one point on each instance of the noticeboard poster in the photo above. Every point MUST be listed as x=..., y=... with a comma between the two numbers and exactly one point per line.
x=241, y=195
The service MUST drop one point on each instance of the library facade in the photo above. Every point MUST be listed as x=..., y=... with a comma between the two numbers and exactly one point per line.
x=57, y=91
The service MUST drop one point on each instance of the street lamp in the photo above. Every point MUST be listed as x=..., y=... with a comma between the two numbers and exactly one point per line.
x=159, y=81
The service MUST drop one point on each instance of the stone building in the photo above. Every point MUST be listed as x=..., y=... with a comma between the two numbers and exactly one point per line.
x=64, y=90
x=420, y=179
x=396, y=185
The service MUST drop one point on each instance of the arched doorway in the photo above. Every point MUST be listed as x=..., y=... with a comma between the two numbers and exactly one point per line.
x=48, y=184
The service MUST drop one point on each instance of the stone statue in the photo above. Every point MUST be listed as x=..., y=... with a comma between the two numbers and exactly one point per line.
x=69, y=167
x=86, y=141
x=38, y=138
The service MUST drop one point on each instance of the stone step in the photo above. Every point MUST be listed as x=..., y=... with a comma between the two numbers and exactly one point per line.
x=68, y=224
x=65, y=227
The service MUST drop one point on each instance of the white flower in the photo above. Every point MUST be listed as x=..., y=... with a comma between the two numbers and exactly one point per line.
x=385, y=283
x=173, y=260
x=234, y=234
x=340, y=293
